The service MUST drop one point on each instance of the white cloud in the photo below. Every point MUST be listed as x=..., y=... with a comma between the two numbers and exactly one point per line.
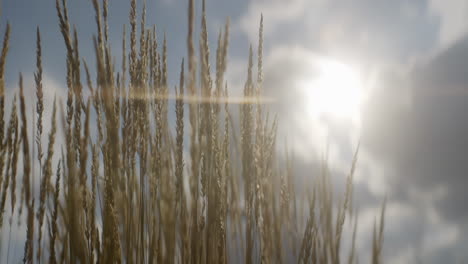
x=309, y=135
x=453, y=16
x=411, y=233
x=275, y=12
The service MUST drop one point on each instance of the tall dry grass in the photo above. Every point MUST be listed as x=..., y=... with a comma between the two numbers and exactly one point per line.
x=138, y=190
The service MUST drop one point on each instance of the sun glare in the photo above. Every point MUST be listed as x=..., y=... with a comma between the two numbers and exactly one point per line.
x=337, y=90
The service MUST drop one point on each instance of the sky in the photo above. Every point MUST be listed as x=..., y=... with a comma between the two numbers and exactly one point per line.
x=408, y=57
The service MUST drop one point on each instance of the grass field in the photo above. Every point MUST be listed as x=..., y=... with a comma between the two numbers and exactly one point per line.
x=126, y=186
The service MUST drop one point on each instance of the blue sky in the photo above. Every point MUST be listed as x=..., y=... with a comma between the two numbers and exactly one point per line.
x=412, y=57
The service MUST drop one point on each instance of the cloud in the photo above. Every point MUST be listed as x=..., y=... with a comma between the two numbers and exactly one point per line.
x=286, y=70
x=376, y=31
x=276, y=13
x=424, y=139
x=453, y=19
x=414, y=123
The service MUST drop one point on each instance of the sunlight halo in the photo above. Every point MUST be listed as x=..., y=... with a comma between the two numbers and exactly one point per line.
x=335, y=90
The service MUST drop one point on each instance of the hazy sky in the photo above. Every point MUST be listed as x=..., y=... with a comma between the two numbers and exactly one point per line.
x=412, y=60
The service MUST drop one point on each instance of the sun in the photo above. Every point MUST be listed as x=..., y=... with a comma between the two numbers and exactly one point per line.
x=335, y=90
